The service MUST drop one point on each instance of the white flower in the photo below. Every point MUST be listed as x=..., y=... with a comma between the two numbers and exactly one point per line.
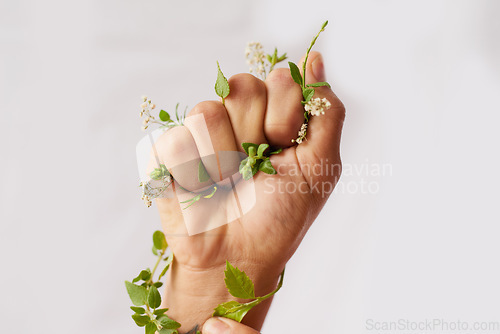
x=317, y=106
x=301, y=135
x=254, y=53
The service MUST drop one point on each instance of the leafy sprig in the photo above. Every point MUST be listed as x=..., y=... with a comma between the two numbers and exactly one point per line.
x=146, y=297
x=258, y=160
x=241, y=286
x=167, y=119
x=312, y=106
x=308, y=90
x=262, y=64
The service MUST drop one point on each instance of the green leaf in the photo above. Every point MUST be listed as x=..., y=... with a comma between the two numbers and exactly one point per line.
x=160, y=241
x=168, y=323
x=141, y=320
x=262, y=149
x=233, y=310
x=226, y=307
x=151, y=328
x=269, y=58
x=255, y=167
x=246, y=147
x=267, y=167
x=278, y=151
x=138, y=310
x=154, y=250
x=143, y=275
x=160, y=311
x=202, y=173
x=238, y=283
x=319, y=84
x=245, y=170
x=167, y=265
x=283, y=57
x=154, y=298
x=221, y=85
x=138, y=294
x=308, y=93
x=167, y=331
x=294, y=70
x=164, y=116
x=324, y=25
x=158, y=284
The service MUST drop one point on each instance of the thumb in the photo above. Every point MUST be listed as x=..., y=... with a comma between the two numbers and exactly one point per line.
x=226, y=326
x=321, y=150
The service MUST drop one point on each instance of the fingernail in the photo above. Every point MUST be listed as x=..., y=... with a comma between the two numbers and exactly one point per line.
x=215, y=326
x=318, y=68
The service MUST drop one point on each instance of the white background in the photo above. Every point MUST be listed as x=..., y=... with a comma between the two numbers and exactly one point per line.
x=420, y=80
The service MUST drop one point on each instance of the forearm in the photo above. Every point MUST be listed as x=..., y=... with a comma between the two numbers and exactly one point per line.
x=192, y=294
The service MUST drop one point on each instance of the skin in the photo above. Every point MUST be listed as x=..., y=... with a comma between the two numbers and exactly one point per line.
x=262, y=240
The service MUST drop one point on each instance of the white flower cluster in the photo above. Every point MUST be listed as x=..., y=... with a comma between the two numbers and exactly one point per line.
x=146, y=107
x=254, y=53
x=145, y=197
x=302, y=134
x=317, y=106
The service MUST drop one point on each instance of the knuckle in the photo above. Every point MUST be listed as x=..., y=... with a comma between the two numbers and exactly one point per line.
x=280, y=77
x=246, y=84
x=213, y=111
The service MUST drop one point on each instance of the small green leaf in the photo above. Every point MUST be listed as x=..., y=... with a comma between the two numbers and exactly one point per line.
x=278, y=151
x=255, y=167
x=308, y=93
x=141, y=320
x=167, y=331
x=138, y=310
x=164, y=271
x=233, y=310
x=143, y=275
x=168, y=260
x=158, y=284
x=137, y=294
x=160, y=311
x=151, y=328
x=202, y=173
x=154, y=298
x=294, y=70
x=238, y=283
x=246, y=147
x=221, y=85
x=155, y=251
x=319, y=84
x=245, y=170
x=283, y=57
x=267, y=167
x=168, y=323
x=164, y=116
x=160, y=241
x=262, y=149
x=269, y=58
x=324, y=25
x=226, y=307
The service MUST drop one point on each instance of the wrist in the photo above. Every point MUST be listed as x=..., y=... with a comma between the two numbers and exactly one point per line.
x=191, y=294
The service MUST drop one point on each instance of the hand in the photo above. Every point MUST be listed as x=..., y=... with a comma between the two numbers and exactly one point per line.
x=226, y=326
x=263, y=240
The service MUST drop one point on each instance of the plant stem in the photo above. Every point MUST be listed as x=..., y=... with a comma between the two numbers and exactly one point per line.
x=150, y=280
x=307, y=55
